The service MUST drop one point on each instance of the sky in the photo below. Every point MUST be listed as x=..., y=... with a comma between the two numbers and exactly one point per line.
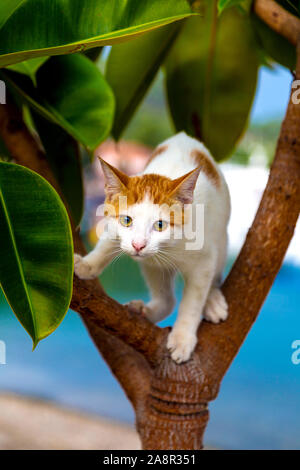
x=272, y=94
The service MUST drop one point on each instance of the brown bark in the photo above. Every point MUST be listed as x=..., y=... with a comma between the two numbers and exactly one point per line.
x=171, y=401
x=279, y=19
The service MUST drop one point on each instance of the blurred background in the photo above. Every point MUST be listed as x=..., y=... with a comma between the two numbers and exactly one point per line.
x=258, y=406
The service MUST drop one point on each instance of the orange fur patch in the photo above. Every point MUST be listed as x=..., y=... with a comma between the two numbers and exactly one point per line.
x=207, y=167
x=156, y=187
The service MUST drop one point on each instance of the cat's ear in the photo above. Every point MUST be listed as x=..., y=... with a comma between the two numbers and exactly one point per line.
x=183, y=187
x=115, y=180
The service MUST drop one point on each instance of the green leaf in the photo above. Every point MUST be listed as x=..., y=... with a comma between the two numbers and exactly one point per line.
x=32, y=28
x=36, y=250
x=211, y=75
x=72, y=93
x=131, y=68
x=63, y=155
x=29, y=67
x=7, y=8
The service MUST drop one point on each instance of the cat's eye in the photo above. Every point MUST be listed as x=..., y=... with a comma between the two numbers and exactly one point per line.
x=125, y=220
x=160, y=225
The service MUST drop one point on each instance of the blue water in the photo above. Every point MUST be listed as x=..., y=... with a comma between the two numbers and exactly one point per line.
x=259, y=403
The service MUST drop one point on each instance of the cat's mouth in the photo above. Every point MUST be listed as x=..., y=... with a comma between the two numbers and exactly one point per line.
x=139, y=255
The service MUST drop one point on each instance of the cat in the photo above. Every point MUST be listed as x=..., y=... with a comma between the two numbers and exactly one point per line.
x=181, y=173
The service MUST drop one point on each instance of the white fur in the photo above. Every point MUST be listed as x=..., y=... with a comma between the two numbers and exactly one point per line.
x=164, y=254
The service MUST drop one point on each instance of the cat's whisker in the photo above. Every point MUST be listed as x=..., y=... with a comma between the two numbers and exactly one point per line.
x=160, y=264
x=115, y=253
x=114, y=261
x=118, y=253
x=172, y=257
x=168, y=259
x=165, y=262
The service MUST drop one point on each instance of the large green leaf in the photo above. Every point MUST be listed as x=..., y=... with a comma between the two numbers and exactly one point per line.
x=131, y=68
x=36, y=268
x=72, y=93
x=32, y=28
x=63, y=155
x=211, y=77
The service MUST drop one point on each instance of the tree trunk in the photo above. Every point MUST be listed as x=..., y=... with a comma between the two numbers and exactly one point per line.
x=176, y=412
x=170, y=400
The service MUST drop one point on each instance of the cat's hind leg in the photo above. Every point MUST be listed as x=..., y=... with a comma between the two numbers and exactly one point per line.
x=216, y=308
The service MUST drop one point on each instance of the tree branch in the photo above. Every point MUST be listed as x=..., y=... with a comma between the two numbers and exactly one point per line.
x=279, y=19
x=118, y=320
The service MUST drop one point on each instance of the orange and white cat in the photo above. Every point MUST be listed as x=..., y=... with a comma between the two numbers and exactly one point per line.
x=181, y=173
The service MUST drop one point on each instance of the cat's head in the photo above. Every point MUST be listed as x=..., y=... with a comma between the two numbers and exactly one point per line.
x=146, y=211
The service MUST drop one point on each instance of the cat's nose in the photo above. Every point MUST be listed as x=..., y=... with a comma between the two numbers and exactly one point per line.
x=138, y=246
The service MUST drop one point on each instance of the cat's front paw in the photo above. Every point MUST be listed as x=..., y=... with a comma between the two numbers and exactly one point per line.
x=83, y=269
x=216, y=308
x=181, y=344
